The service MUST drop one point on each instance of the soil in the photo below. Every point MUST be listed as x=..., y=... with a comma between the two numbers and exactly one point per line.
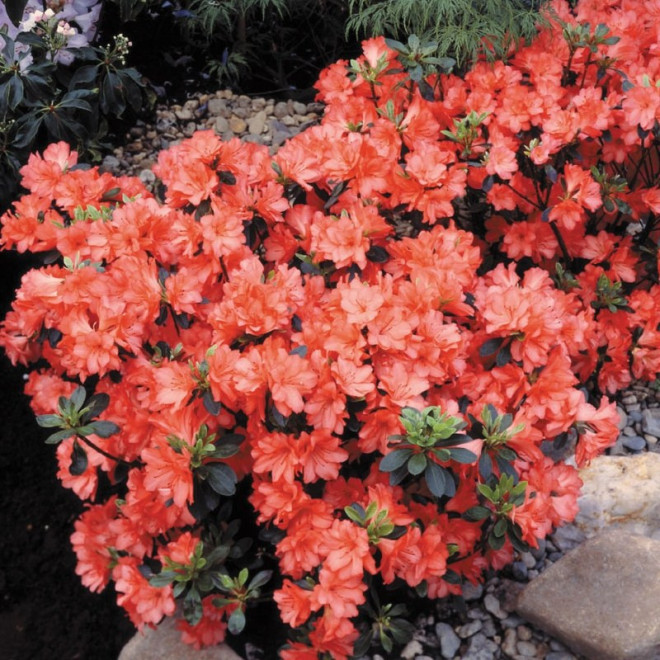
x=45, y=612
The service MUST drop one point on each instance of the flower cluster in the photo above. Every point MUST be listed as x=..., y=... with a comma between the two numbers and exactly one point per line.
x=380, y=336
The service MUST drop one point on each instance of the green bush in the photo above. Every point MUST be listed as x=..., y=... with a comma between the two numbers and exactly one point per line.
x=462, y=29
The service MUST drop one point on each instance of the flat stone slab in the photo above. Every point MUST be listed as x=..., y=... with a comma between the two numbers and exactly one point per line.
x=164, y=643
x=602, y=598
x=621, y=492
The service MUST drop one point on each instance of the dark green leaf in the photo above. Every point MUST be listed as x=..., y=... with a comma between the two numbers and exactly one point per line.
x=500, y=527
x=15, y=9
x=78, y=460
x=452, y=577
x=212, y=407
x=221, y=478
x=55, y=438
x=261, y=578
x=417, y=464
x=49, y=421
x=236, y=622
x=78, y=397
x=395, y=460
x=490, y=346
x=496, y=542
x=362, y=644
x=476, y=513
x=485, y=465
x=436, y=479
x=463, y=455
x=95, y=406
x=503, y=356
x=103, y=428
x=162, y=579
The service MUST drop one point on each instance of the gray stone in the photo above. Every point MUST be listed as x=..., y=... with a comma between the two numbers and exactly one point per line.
x=411, y=650
x=635, y=416
x=450, y=642
x=480, y=648
x=526, y=649
x=601, y=599
x=509, y=643
x=257, y=123
x=634, y=443
x=216, y=107
x=281, y=109
x=472, y=591
x=469, y=629
x=628, y=431
x=559, y=655
x=164, y=643
x=184, y=114
x=220, y=125
x=110, y=164
x=492, y=605
x=651, y=421
x=519, y=571
x=623, y=418
x=622, y=493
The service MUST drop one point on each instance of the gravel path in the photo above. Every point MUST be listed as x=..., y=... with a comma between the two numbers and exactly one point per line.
x=487, y=628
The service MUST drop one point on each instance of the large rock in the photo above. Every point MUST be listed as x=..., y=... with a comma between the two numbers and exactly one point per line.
x=621, y=493
x=164, y=643
x=602, y=598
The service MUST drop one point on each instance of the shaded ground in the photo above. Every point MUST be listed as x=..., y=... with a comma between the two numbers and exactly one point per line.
x=44, y=610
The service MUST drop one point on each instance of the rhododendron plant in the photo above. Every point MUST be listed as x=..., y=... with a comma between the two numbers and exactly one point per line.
x=379, y=337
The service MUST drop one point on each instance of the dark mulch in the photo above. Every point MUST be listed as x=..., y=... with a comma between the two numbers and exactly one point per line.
x=45, y=613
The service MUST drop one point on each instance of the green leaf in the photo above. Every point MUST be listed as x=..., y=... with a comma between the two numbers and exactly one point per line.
x=95, y=406
x=476, y=513
x=236, y=622
x=56, y=438
x=221, y=478
x=417, y=464
x=78, y=460
x=104, y=428
x=395, y=460
x=78, y=397
x=500, y=527
x=49, y=421
x=162, y=579
x=496, y=542
x=490, y=346
x=436, y=479
x=463, y=456
x=261, y=578
x=15, y=9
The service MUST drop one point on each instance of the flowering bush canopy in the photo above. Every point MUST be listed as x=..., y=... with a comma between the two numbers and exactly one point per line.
x=380, y=336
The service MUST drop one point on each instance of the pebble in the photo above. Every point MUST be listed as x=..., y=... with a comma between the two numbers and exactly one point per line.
x=450, y=642
x=651, y=420
x=519, y=571
x=634, y=443
x=492, y=604
x=526, y=649
x=524, y=633
x=480, y=648
x=472, y=591
x=412, y=649
x=470, y=628
x=623, y=417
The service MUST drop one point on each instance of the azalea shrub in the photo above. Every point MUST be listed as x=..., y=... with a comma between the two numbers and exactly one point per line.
x=384, y=341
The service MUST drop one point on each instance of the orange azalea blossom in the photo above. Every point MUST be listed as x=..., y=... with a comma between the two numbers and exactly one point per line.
x=146, y=605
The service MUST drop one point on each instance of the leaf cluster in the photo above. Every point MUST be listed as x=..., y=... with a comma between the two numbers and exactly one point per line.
x=462, y=30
